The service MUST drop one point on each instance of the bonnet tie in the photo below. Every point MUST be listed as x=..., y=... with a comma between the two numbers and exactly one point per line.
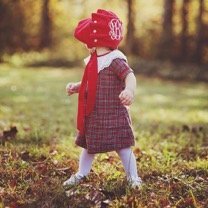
x=87, y=92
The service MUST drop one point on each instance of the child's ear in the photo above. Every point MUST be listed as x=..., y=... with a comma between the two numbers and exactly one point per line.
x=92, y=50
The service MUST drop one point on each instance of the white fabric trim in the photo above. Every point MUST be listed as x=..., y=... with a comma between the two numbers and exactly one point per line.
x=105, y=60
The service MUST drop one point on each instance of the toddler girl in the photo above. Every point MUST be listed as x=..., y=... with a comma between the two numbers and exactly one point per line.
x=106, y=89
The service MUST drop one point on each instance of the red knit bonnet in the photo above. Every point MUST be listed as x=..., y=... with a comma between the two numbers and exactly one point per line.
x=103, y=29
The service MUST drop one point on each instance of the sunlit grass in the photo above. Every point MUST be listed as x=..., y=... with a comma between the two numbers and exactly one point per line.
x=34, y=100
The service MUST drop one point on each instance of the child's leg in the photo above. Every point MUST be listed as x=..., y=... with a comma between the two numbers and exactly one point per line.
x=129, y=162
x=85, y=163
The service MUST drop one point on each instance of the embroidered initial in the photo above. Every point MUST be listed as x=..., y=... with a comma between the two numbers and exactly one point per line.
x=115, y=29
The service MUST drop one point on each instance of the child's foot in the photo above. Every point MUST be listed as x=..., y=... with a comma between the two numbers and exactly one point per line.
x=135, y=183
x=73, y=180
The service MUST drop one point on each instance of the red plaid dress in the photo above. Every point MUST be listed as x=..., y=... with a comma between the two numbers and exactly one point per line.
x=108, y=127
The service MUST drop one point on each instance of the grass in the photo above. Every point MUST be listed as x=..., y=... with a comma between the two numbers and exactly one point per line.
x=170, y=123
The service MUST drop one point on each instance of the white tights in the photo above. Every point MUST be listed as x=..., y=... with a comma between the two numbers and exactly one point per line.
x=127, y=157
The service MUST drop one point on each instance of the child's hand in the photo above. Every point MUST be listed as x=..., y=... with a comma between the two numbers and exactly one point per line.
x=126, y=97
x=72, y=88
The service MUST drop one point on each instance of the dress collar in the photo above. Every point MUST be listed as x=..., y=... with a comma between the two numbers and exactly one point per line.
x=106, y=59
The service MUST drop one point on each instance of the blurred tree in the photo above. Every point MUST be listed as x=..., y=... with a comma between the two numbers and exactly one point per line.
x=199, y=48
x=167, y=38
x=19, y=40
x=3, y=38
x=184, y=32
x=12, y=33
x=130, y=36
x=18, y=25
x=46, y=26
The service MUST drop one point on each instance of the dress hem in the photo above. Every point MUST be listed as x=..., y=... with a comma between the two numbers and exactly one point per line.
x=104, y=150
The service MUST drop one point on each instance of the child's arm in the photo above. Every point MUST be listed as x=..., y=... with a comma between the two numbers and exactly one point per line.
x=127, y=95
x=72, y=88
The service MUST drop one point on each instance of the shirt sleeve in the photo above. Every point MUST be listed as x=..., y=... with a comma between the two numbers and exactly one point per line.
x=120, y=68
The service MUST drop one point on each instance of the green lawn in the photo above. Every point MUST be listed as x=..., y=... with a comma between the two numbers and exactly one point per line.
x=170, y=123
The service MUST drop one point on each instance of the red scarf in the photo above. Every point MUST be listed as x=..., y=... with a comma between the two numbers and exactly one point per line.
x=88, y=85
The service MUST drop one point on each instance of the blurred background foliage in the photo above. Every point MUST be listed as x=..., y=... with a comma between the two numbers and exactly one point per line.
x=173, y=30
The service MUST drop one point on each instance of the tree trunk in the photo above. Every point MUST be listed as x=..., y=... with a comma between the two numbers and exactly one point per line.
x=2, y=32
x=19, y=27
x=184, y=33
x=130, y=37
x=12, y=34
x=198, y=53
x=166, y=42
x=46, y=26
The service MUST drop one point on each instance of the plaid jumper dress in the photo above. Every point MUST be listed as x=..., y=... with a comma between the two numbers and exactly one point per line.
x=108, y=127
